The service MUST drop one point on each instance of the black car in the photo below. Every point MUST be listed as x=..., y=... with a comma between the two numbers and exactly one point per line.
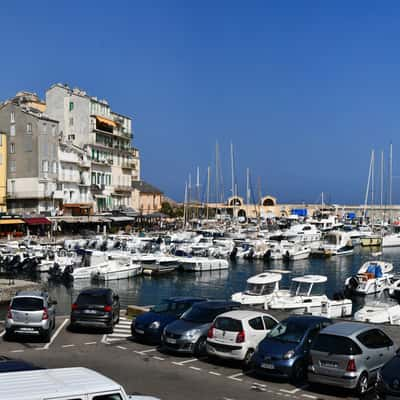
x=97, y=308
x=388, y=379
x=148, y=326
x=12, y=365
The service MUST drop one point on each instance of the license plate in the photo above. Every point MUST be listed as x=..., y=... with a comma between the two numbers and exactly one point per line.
x=27, y=329
x=139, y=331
x=329, y=364
x=267, y=366
x=169, y=340
x=90, y=312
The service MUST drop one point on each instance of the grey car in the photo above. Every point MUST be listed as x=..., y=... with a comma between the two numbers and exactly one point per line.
x=189, y=333
x=349, y=355
x=31, y=312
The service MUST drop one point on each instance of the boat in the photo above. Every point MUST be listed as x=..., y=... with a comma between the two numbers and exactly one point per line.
x=305, y=234
x=306, y=296
x=116, y=270
x=337, y=243
x=391, y=240
x=202, y=264
x=260, y=289
x=297, y=252
x=394, y=288
x=371, y=240
x=379, y=313
x=373, y=277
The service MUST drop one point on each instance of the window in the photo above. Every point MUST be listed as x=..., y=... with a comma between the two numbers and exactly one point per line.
x=53, y=130
x=12, y=117
x=71, y=105
x=12, y=148
x=269, y=323
x=12, y=188
x=335, y=345
x=44, y=129
x=13, y=166
x=228, y=324
x=71, y=121
x=114, y=396
x=45, y=166
x=54, y=169
x=12, y=130
x=29, y=128
x=374, y=339
x=93, y=178
x=257, y=324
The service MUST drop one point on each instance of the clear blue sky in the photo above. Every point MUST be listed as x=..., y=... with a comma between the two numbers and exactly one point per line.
x=304, y=89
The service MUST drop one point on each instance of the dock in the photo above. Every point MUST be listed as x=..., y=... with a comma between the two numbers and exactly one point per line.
x=8, y=288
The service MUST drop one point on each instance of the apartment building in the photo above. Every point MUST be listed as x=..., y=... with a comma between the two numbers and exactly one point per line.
x=146, y=198
x=105, y=135
x=32, y=152
x=3, y=172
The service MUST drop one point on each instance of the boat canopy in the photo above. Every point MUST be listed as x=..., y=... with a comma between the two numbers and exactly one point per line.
x=378, y=268
x=264, y=278
x=310, y=279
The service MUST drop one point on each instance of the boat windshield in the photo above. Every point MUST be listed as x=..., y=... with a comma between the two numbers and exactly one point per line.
x=260, y=289
x=299, y=288
x=288, y=331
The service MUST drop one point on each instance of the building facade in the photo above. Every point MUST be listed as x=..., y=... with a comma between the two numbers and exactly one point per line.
x=3, y=172
x=146, y=198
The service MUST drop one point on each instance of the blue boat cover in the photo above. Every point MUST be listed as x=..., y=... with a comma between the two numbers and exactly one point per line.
x=376, y=270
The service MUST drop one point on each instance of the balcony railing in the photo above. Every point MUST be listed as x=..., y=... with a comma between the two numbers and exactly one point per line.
x=30, y=194
x=122, y=188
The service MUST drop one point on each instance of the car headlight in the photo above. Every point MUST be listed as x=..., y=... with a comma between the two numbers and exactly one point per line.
x=192, y=334
x=289, y=355
x=154, y=325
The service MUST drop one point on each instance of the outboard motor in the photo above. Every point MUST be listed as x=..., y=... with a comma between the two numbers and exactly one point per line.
x=351, y=286
x=233, y=254
x=267, y=255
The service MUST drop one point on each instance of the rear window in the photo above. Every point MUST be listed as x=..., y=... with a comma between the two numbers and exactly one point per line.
x=228, y=324
x=93, y=299
x=27, y=304
x=201, y=314
x=335, y=345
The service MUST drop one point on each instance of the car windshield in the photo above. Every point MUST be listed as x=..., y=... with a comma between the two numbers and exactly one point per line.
x=92, y=299
x=258, y=289
x=201, y=315
x=172, y=307
x=27, y=304
x=288, y=331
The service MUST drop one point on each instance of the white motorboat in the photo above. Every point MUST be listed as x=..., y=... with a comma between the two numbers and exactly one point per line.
x=202, y=264
x=379, y=313
x=92, y=261
x=391, y=240
x=116, y=270
x=373, y=277
x=277, y=252
x=337, y=243
x=260, y=289
x=306, y=296
x=297, y=252
x=305, y=234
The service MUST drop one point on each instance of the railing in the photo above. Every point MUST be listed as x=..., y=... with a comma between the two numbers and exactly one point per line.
x=122, y=188
x=30, y=194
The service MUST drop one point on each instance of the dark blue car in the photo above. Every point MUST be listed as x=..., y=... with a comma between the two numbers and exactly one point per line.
x=148, y=327
x=285, y=350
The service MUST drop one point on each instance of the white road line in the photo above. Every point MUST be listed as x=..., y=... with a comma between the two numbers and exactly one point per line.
x=290, y=391
x=122, y=347
x=67, y=345
x=309, y=396
x=143, y=352
x=195, y=368
x=16, y=351
x=158, y=358
x=3, y=333
x=184, y=362
x=104, y=339
x=214, y=373
x=89, y=343
x=56, y=333
x=235, y=377
x=258, y=384
x=119, y=335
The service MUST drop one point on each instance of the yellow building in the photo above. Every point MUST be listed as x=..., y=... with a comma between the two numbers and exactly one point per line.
x=3, y=172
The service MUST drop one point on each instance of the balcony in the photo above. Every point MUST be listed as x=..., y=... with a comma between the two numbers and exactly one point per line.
x=30, y=194
x=84, y=163
x=122, y=189
x=68, y=157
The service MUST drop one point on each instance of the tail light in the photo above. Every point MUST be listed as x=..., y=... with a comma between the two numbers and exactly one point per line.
x=74, y=307
x=240, y=337
x=9, y=314
x=45, y=314
x=351, y=366
x=211, y=331
x=107, y=308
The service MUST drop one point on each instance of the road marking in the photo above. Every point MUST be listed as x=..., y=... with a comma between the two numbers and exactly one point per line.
x=158, y=358
x=17, y=351
x=309, y=396
x=214, y=373
x=143, y=352
x=184, y=362
x=56, y=333
x=122, y=347
x=290, y=391
x=104, y=339
x=67, y=345
x=195, y=368
x=3, y=333
x=89, y=343
x=235, y=377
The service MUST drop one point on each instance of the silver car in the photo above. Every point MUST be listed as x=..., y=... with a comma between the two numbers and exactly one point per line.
x=349, y=355
x=31, y=312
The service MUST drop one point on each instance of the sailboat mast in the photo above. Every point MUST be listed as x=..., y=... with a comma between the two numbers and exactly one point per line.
x=381, y=179
x=391, y=173
x=208, y=189
x=373, y=177
x=232, y=171
x=247, y=186
x=367, y=190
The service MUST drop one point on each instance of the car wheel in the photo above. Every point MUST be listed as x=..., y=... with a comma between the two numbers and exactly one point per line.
x=200, y=347
x=248, y=359
x=110, y=329
x=7, y=336
x=47, y=336
x=362, y=384
x=298, y=372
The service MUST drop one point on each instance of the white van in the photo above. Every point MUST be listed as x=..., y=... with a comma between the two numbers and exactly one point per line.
x=61, y=384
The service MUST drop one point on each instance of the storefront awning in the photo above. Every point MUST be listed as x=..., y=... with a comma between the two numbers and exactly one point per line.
x=106, y=121
x=11, y=221
x=77, y=205
x=37, y=221
x=121, y=219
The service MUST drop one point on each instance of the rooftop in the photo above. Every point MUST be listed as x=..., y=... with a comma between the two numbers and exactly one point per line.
x=145, y=187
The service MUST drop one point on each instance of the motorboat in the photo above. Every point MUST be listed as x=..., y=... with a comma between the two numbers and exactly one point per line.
x=305, y=234
x=199, y=264
x=297, y=252
x=306, y=296
x=391, y=240
x=337, y=243
x=260, y=289
x=373, y=277
x=394, y=288
x=92, y=261
x=379, y=312
x=117, y=269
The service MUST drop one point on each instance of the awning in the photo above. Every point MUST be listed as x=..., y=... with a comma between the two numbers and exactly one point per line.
x=77, y=205
x=106, y=121
x=58, y=195
x=121, y=219
x=37, y=221
x=11, y=221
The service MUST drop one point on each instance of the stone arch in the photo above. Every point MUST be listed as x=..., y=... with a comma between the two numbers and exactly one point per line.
x=235, y=201
x=242, y=213
x=268, y=201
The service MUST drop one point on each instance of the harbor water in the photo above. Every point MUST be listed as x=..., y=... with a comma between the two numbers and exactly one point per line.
x=148, y=290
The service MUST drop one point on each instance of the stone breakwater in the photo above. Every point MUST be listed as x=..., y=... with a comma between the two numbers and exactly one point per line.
x=8, y=288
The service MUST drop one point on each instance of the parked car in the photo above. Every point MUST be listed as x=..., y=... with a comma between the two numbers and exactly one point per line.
x=95, y=307
x=349, y=355
x=31, y=312
x=148, y=326
x=189, y=333
x=236, y=334
x=388, y=379
x=284, y=351
x=13, y=365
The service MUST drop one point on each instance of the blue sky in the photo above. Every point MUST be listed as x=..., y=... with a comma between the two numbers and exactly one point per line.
x=303, y=89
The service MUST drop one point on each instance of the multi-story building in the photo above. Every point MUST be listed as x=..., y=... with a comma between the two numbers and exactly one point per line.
x=3, y=172
x=146, y=198
x=90, y=124
x=32, y=148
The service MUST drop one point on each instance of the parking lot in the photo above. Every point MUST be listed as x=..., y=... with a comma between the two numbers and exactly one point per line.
x=144, y=369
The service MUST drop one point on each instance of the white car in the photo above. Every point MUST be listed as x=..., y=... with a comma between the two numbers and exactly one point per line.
x=236, y=334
